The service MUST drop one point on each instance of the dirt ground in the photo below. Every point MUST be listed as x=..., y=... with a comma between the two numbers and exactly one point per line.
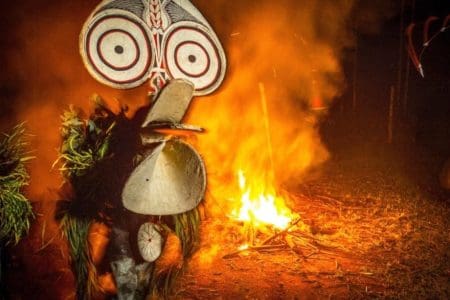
x=366, y=231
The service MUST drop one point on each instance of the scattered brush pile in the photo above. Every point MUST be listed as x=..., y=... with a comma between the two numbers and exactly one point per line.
x=399, y=232
x=363, y=233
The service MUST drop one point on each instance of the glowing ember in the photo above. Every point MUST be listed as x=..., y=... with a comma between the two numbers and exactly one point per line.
x=260, y=206
x=243, y=247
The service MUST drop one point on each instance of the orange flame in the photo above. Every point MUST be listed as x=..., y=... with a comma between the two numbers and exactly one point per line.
x=260, y=207
x=263, y=121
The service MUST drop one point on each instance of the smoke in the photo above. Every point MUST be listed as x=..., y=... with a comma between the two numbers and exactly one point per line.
x=293, y=49
x=42, y=75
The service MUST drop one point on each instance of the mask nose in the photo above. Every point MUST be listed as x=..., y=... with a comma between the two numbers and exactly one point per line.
x=157, y=80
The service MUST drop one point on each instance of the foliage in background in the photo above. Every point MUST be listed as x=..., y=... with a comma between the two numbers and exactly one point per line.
x=84, y=148
x=85, y=142
x=15, y=209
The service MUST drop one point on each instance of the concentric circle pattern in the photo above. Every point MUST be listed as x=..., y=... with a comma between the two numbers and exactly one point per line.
x=190, y=53
x=118, y=50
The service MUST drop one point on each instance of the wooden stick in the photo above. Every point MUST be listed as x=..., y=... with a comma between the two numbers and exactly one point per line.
x=408, y=67
x=249, y=230
x=355, y=74
x=263, y=245
x=281, y=232
x=391, y=115
x=401, y=48
x=254, y=248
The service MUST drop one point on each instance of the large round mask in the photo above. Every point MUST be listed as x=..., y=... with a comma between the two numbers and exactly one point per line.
x=116, y=49
x=192, y=53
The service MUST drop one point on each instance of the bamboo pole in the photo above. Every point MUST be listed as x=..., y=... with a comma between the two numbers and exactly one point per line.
x=391, y=114
x=408, y=67
x=400, y=54
x=355, y=72
x=406, y=88
x=262, y=92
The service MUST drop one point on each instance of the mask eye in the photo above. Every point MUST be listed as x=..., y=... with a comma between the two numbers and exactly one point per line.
x=192, y=53
x=116, y=49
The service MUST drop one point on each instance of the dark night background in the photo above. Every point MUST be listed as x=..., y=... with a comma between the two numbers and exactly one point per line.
x=421, y=141
x=422, y=124
x=41, y=72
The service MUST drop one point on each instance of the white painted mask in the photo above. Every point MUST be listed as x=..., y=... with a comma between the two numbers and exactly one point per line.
x=124, y=43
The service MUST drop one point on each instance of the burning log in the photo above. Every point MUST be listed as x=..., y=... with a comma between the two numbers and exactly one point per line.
x=284, y=231
x=264, y=245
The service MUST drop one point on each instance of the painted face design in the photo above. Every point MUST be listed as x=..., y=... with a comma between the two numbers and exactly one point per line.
x=124, y=43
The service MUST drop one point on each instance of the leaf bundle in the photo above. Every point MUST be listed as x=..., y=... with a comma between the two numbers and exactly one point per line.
x=85, y=146
x=15, y=209
x=85, y=142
